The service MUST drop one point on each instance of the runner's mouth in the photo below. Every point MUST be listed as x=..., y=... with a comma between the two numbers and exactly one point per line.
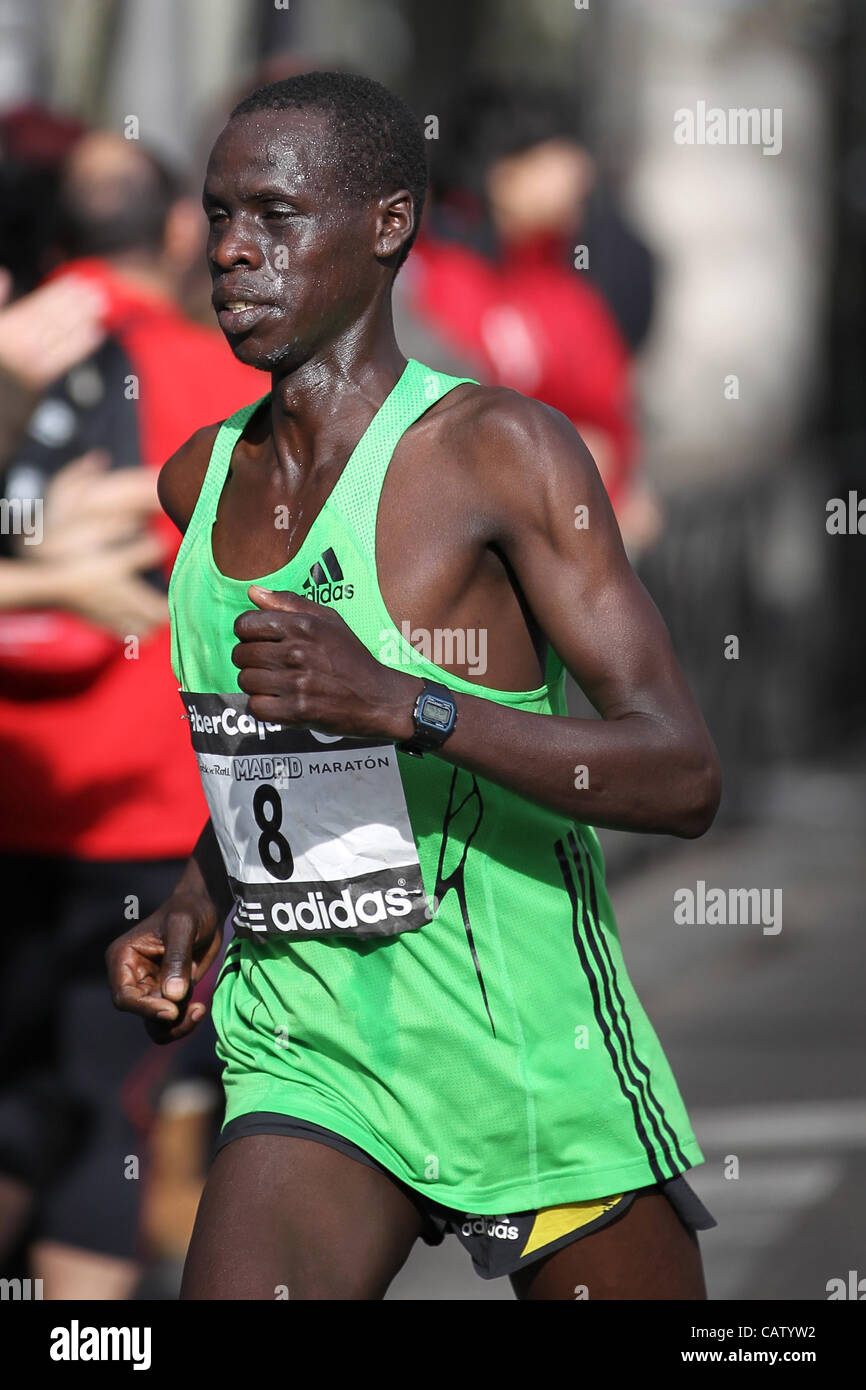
x=237, y=315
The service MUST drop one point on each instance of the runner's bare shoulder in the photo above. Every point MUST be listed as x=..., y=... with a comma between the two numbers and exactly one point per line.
x=181, y=477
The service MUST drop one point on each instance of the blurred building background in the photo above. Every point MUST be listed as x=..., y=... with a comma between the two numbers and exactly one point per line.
x=734, y=279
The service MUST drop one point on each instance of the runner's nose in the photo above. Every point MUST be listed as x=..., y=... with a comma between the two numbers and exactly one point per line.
x=231, y=244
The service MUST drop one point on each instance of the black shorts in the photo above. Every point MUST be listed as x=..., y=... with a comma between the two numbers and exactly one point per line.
x=501, y=1244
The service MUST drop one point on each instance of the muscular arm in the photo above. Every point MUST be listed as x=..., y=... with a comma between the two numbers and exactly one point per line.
x=650, y=761
x=651, y=765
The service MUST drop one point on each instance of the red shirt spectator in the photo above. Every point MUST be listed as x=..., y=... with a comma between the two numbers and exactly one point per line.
x=106, y=773
x=538, y=329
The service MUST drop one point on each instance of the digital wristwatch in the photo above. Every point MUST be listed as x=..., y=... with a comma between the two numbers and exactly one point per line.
x=435, y=715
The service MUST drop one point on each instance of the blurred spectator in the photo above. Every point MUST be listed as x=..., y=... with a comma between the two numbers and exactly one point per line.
x=33, y=145
x=41, y=337
x=489, y=276
x=102, y=801
x=540, y=331
x=513, y=177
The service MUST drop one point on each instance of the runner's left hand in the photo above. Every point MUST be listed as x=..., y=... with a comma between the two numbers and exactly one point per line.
x=301, y=664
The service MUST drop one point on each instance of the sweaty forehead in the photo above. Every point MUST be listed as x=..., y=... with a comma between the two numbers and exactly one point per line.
x=294, y=148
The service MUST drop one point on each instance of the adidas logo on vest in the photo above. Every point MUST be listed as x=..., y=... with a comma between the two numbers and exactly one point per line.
x=326, y=583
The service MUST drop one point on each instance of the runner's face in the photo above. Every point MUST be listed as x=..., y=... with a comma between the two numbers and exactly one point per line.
x=291, y=257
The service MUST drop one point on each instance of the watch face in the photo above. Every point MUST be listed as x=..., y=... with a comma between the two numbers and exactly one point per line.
x=437, y=713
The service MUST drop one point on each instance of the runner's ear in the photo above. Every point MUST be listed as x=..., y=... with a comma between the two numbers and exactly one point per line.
x=395, y=222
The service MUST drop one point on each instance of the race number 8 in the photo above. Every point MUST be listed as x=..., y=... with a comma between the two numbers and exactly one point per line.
x=268, y=812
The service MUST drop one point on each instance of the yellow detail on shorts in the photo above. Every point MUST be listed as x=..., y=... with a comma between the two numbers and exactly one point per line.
x=552, y=1222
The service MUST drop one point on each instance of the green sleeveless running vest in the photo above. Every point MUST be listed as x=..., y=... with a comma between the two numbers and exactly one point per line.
x=467, y=1018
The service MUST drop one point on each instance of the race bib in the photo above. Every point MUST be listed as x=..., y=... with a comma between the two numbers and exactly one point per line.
x=313, y=828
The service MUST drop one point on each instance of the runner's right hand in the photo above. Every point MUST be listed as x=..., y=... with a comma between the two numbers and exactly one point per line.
x=153, y=967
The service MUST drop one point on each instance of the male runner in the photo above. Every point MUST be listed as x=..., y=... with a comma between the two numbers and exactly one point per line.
x=425, y=1018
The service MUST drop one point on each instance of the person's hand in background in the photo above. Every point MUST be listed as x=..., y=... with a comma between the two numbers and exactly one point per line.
x=87, y=505
x=105, y=587
x=93, y=549
x=46, y=332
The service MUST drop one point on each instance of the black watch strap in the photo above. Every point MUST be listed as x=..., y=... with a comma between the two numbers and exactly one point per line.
x=435, y=715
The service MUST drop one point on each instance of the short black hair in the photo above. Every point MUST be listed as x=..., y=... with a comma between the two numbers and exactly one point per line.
x=379, y=141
